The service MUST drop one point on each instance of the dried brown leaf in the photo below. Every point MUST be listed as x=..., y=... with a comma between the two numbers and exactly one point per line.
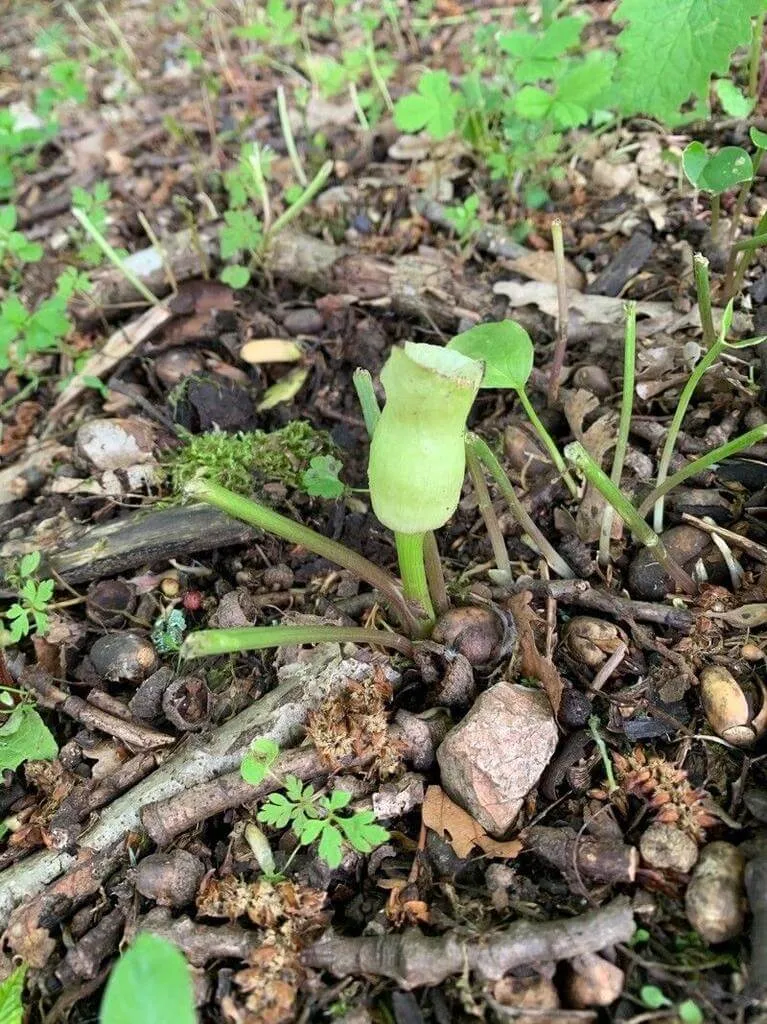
x=463, y=833
x=531, y=662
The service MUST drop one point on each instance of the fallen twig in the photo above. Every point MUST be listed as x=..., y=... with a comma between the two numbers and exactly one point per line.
x=413, y=959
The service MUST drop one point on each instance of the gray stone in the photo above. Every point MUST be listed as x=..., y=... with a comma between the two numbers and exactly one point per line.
x=492, y=759
x=115, y=444
x=123, y=657
x=303, y=321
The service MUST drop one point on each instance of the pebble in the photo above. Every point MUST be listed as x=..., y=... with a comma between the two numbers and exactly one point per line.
x=715, y=899
x=115, y=444
x=303, y=321
x=170, y=879
x=123, y=657
x=663, y=847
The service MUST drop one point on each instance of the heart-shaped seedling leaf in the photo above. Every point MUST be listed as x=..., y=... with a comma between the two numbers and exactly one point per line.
x=729, y=167
x=505, y=348
x=758, y=138
x=694, y=159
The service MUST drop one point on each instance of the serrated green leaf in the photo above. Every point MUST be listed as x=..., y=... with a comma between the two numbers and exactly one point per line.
x=29, y=740
x=44, y=591
x=29, y=563
x=294, y=787
x=320, y=480
x=150, y=983
x=504, y=347
x=533, y=103
x=362, y=831
x=671, y=48
x=11, y=992
x=338, y=799
x=309, y=829
x=331, y=846
x=433, y=107
x=733, y=101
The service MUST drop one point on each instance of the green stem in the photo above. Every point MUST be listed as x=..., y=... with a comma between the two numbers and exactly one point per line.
x=287, y=134
x=252, y=512
x=560, y=346
x=745, y=260
x=704, y=462
x=548, y=441
x=378, y=78
x=673, y=431
x=754, y=55
x=716, y=206
x=737, y=212
x=596, y=733
x=486, y=510
x=114, y=258
x=750, y=244
x=303, y=200
x=212, y=642
x=363, y=385
x=555, y=561
x=643, y=532
x=624, y=425
x=703, y=289
x=413, y=572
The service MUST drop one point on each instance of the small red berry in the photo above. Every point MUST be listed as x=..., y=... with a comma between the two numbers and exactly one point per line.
x=192, y=600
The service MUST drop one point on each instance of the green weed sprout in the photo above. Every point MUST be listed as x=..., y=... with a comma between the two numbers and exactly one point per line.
x=713, y=353
x=33, y=597
x=507, y=352
x=417, y=457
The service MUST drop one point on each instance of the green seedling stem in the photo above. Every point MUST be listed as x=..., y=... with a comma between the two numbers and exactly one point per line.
x=734, y=277
x=371, y=412
x=213, y=642
x=410, y=553
x=361, y=116
x=673, y=431
x=478, y=447
x=624, y=425
x=255, y=514
x=376, y=75
x=490, y=519
x=290, y=142
x=303, y=200
x=91, y=229
x=560, y=347
x=716, y=206
x=548, y=441
x=259, y=181
x=703, y=289
x=750, y=244
x=596, y=732
x=583, y=462
x=704, y=462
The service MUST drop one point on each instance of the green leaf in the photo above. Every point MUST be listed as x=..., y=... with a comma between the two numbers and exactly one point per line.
x=758, y=138
x=44, y=591
x=309, y=830
x=362, y=831
x=729, y=167
x=653, y=998
x=277, y=811
x=285, y=389
x=670, y=49
x=533, y=103
x=331, y=846
x=732, y=99
x=150, y=983
x=29, y=563
x=505, y=348
x=235, y=276
x=433, y=107
x=259, y=759
x=294, y=787
x=242, y=230
x=694, y=159
x=689, y=1012
x=7, y=218
x=25, y=737
x=11, y=991
x=320, y=480
x=338, y=799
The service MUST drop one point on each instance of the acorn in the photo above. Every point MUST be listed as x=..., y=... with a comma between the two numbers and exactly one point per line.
x=729, y=711
x=715, y=899
x=110, y=602
x=591, y=641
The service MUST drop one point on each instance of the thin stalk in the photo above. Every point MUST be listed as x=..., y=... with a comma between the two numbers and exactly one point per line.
x=555, y=561
x=643, y=532
x=378, y=78
x=413, y=572
x=560, y=346
x=737, y=212
x=207, y=643
x=287, y=134
x=716, y=207
x=673, y=431
x=703, y=290
x=624, y=425
x=704, y=462
x=486, y=510
x=750, y=244
x=548, y=441
x=755, y=54
x=304, y=199
x=732, y=288
x=435, y=577
x=260, y=182
x=252, y=512
x=152, y=236
x=361, y=116
x=596, y=733
x=114, y=258
x=363, y=385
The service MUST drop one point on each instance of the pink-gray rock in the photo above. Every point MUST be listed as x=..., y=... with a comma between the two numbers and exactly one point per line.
x=492, y=759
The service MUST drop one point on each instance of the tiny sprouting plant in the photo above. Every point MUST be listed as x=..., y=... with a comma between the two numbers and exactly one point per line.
x=151, y=982
x=433, y=107
x=311, y=816
x=275, y=26
x=30, y=610
x=24, y=333
x=320, y=480
x=15, y=247
x=654, y=998
x=24, y=736
x=94, y=205
x=464, y=219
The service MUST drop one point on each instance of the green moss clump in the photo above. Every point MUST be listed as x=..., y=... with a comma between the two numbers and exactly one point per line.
x=235, y=460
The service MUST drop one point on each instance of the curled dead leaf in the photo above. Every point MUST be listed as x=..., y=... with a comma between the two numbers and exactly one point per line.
x=463, y=833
